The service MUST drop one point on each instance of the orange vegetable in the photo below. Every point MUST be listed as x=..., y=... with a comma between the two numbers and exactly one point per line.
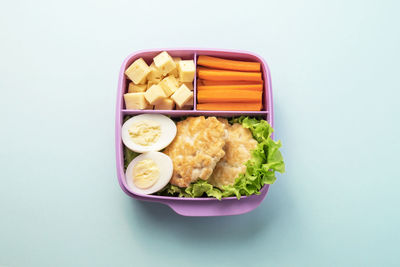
x=230, y=106
x=227, y=75
x=226, y=64
x=201, y=68
x=256, y=87
x=212, y=96
x=208, y=82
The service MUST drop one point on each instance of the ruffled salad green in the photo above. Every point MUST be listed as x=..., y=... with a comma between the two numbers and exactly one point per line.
x=266, y=159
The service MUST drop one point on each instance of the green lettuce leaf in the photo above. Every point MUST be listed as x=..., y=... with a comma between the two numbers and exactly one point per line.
x=197, y=189
x=129, y=155
x=266, y=159
x=203, y=187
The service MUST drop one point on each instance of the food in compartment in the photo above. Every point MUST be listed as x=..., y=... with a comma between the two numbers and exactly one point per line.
x=182, y=96
x=238, y=147
x=166, y=73
x=189, y=85
x=166, y=104
x=169, y=84
x=136, y=88
x=228, y=75
x=138, y=71
x=230, y=106
x=150, y=84
x=164, y=63
x=225, y=84
x=148, y=132
x=227, y=64
x=135, y=101
x=231, y=87
x=187, y=70
x=231, y=96
x=154, y=94
x=175, y=72
x=209, y=82
x=196, y=149
x=155, y=74
x=213, y=157
x=149, y=173
x=187, y=106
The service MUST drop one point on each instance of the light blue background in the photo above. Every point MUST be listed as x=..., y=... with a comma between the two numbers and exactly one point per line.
x=335, y=72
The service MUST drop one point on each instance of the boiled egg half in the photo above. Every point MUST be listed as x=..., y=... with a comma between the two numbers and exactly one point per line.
x=148, y=132
x=149, y=173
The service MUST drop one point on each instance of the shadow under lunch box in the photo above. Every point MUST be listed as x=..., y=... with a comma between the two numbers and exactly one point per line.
x=193, y=206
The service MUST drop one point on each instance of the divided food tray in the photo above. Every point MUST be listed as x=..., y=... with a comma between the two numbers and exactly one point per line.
x=193, y=206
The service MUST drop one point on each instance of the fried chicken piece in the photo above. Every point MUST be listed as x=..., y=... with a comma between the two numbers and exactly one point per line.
x=196, y=149
x=237, y=148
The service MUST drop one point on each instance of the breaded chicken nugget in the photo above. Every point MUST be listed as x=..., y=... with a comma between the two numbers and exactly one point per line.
x=237, y=148
x=196, y=149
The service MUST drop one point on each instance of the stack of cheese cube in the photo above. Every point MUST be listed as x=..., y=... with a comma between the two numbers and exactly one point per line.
x=166, y=83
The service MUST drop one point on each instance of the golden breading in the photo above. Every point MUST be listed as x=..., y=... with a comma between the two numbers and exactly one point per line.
x=196, y=149
x=237, y=148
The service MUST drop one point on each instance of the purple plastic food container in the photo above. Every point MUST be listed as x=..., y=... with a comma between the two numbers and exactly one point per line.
x=192, y=206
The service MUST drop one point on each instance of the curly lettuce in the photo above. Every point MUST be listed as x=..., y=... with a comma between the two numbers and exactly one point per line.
x=129, y=155
x=266, y=160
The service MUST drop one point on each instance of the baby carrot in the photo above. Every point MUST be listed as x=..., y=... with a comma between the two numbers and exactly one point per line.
x=256, y=87
x=230, y=106
x=212, y=96
x=227, y=75
x=226, y=64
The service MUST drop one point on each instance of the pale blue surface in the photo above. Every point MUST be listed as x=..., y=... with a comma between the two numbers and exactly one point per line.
x=335, y=72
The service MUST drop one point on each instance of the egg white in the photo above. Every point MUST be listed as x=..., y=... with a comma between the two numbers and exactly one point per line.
x=168, y=132
x=163, y=162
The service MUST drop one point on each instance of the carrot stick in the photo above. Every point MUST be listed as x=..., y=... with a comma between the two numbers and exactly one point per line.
x=221, y=75
x=256, y=87
x=198, y=68
x=212, y=96
x=208, y=82
x=230, y=106
x=226, y=64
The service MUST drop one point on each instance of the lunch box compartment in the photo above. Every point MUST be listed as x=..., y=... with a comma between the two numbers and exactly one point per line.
x=148, y=57
x=193, y=206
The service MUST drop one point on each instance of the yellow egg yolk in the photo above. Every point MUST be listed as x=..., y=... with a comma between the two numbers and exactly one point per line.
x=145, y=173
x=145, y=133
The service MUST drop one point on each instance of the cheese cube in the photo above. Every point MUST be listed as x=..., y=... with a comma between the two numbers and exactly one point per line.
x=169, y=84
x=138, y=71
x=182, y=95
x=155, y=74
x=187, y=70
x=166, y=103
x=164, y=62
x=150, y=84
x=189, y=85
x=189, y=102
x=184, y=107
x=188, y=105
x=136, y=88
x=175, y=71
x=154, y=94
x=135, y=101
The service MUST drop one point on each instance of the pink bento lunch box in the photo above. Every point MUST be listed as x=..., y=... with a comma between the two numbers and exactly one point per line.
x=193, y=206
